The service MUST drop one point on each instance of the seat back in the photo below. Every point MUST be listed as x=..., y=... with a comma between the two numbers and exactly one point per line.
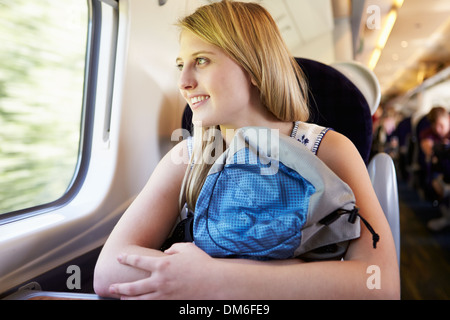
x=336, y=102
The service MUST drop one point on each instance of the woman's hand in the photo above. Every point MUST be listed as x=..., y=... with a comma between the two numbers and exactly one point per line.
x=180, y=274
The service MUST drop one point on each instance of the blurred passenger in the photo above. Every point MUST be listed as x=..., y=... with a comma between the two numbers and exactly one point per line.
x=384, y=139
x=435, y=143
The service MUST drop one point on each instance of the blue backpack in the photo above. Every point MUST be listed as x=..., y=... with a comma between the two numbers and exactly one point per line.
x=269, y=197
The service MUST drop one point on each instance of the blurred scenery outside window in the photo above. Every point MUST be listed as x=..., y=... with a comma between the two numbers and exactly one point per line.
x=42, y=66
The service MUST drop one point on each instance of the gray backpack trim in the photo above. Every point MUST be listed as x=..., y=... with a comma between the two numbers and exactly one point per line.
x=326, y=200
x=333, y=220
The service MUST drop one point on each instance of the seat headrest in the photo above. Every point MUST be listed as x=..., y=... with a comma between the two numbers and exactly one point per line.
x=364, y=79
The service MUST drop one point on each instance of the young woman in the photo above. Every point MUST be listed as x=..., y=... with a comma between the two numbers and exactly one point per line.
x=236, y=72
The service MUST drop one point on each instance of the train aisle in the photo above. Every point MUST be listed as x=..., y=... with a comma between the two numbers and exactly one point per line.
x=425, y=255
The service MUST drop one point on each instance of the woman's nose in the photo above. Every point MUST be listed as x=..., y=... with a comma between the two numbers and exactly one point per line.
x=187, y=80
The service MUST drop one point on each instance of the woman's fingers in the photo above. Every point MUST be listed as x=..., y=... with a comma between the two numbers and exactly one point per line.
x=141, y=262
x=150, y=287
x=132, y=289
x=165, y=280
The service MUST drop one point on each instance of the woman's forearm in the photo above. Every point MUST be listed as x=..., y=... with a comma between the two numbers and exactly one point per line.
x=312, y=280
x=186, y=272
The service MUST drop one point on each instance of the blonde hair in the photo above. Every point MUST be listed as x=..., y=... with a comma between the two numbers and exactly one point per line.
x=248, y=34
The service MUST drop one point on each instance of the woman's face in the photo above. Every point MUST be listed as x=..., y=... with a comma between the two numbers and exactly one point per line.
x=216, y=88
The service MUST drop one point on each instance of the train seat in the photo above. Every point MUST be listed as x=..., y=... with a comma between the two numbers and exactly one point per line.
x=381, y=167
x=338, y=103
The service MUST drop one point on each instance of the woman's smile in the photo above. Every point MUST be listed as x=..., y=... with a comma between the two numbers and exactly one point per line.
x=196, y=101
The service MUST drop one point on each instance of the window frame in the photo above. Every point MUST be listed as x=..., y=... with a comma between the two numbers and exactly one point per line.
x=87, y=118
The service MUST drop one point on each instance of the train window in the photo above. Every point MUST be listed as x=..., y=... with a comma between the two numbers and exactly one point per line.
x=43, y=59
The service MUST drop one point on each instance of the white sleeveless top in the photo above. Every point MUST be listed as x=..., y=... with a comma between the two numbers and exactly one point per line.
x=309, y=134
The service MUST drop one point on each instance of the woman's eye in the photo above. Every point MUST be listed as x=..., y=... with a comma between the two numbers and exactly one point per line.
x=201, y=61
x=198, y=61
